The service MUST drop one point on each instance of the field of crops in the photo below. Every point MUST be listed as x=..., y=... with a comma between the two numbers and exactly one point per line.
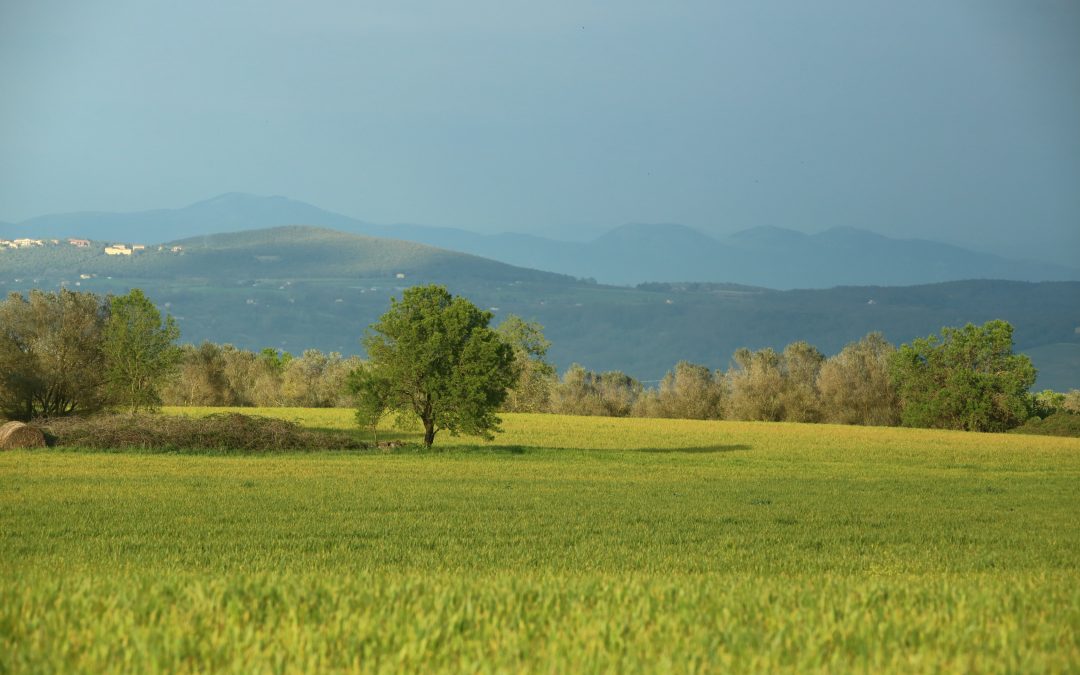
x=566, y=544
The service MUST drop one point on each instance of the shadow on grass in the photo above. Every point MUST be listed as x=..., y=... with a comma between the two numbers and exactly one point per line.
x=703, y=450
x=482, y=449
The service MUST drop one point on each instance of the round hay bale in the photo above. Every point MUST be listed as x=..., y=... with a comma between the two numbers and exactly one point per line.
x=18, y=435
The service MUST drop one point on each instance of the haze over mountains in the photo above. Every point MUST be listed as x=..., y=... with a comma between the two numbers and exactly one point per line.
x=762, y=256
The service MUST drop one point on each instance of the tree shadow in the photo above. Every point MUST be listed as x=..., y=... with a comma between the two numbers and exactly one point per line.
x=702, y=450
x=412, y=443
x=496, y=449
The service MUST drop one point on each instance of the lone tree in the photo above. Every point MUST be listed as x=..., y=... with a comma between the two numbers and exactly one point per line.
x=966, y=378
x=139, y=349
x=442, y=362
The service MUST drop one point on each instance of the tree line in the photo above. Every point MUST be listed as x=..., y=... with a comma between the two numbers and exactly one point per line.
x=435, y=357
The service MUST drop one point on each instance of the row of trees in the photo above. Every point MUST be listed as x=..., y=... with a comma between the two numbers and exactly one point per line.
x=435, y=358
x=798, y=384
x=965, y=378
x=223, y=375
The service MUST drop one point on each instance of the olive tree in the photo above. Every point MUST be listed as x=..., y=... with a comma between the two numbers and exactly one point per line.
x=51, y=358
x=690, y=391
x=444, y=364
x=855, y=385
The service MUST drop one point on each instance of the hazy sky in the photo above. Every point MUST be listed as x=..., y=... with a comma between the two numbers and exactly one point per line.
x=955, y=119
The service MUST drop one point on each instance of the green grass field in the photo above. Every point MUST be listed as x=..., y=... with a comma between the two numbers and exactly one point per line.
x=567, y=544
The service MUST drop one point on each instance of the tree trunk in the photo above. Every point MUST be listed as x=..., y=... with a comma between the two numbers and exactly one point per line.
x=429, y=432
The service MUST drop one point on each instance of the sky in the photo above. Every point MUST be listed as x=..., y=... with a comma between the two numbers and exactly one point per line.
x=957, y=121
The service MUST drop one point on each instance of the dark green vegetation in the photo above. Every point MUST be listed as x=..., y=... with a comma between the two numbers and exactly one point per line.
x=433, y=358
x=1059, y=423
x=432, y=355
x=260, y=289
x=571, y=544
x=966, y=378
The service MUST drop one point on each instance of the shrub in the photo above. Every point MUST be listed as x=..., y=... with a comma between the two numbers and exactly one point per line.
x=1057, y=424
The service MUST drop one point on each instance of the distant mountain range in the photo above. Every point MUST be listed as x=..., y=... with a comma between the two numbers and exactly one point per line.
x=762, y=256
x=300, y=287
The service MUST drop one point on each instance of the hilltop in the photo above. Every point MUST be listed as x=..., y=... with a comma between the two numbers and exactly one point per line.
x=289, y=252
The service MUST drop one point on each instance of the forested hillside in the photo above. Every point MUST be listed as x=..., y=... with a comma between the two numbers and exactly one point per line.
x=295, y=288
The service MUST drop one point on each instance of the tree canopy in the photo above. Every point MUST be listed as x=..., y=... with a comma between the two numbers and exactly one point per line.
x=965, y=378
x=140, y=350
x=51, y=357
x=443, y=363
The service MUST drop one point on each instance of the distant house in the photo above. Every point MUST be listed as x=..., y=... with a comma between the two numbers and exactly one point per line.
x=79, y=243
x=117, y=249
x=27, y=243
x=176, y=249
x=138, y=247
x=400, y=275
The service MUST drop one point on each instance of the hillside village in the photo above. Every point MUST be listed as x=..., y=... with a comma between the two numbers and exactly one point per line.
x=115, y=249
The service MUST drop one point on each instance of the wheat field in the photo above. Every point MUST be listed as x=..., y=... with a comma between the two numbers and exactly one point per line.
x=566, y=544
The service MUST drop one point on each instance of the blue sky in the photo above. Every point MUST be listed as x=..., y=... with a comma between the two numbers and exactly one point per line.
x=950, y=120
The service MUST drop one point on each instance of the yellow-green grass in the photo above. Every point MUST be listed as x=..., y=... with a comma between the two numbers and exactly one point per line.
x=565, y=544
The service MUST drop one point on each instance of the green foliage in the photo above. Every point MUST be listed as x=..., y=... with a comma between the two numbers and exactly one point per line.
x=139, y=349
x=532, y=391
x=966, y=378
x=372, y=395
x=446, y=366
x=1060, y=423
x=568, y=545
x=1047, y=402
x=51, y=357
x=276, y=360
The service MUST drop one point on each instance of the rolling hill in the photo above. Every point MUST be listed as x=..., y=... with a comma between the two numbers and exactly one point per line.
x=288, y=252
x=296, y=287
x=636, y=253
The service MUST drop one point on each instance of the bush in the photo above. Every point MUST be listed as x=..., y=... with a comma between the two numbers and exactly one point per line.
x=220, y=432
x=1057, y=424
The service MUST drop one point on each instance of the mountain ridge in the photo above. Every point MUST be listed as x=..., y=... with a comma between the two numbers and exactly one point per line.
x=770, y=256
